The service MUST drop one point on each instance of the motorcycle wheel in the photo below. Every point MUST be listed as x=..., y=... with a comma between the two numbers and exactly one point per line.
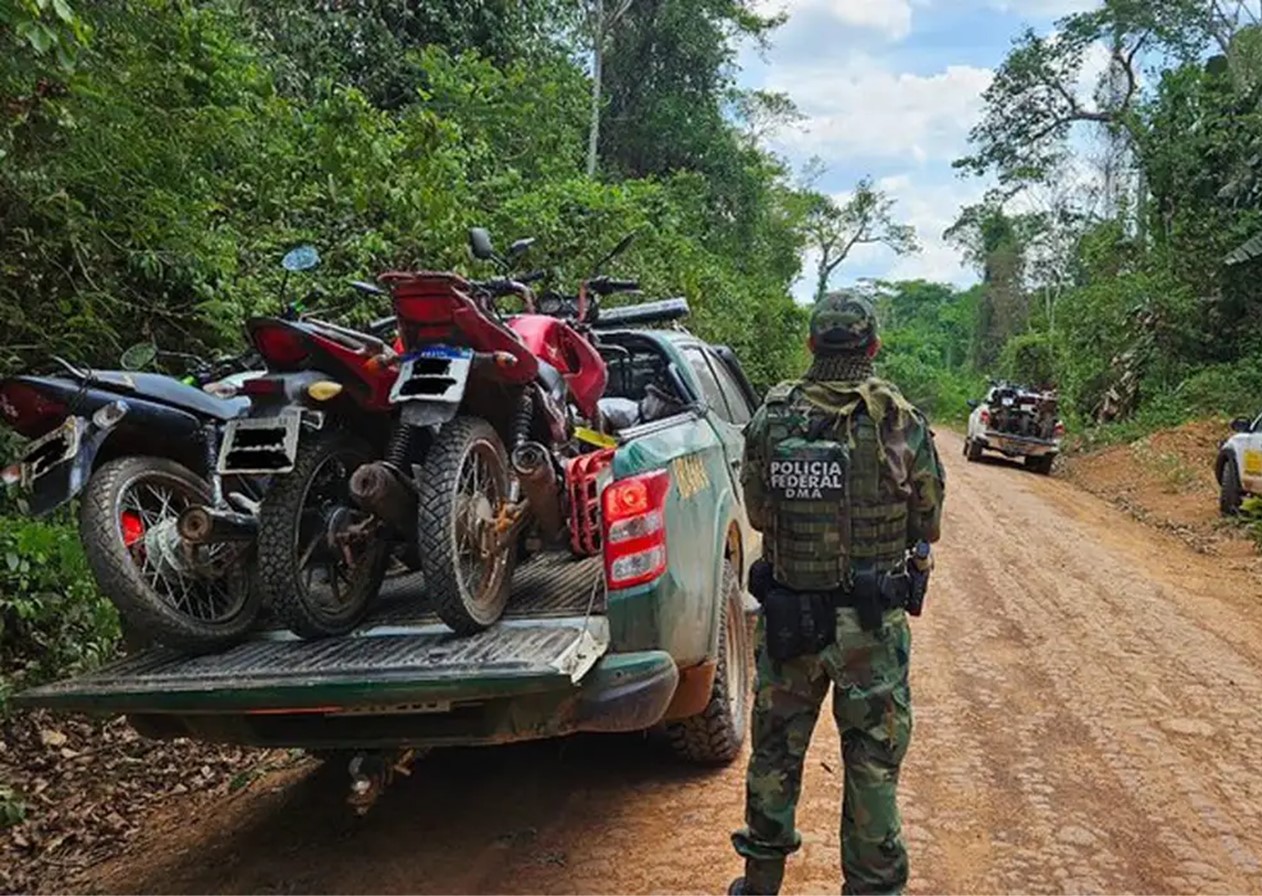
x=321, y=558
x=464, y=487
x=196, y=600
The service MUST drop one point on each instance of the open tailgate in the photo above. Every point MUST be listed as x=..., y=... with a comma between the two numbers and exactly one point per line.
x=550, y=639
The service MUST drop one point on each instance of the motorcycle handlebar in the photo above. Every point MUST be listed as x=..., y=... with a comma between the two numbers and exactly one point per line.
x=606, y=285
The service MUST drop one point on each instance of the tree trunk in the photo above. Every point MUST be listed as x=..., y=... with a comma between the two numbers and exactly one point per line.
x=598, y=48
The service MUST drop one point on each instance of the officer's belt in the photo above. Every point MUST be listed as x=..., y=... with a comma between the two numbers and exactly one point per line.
x=893, y=590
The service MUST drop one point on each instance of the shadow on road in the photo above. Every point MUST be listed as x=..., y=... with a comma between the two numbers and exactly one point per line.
x=461, y=819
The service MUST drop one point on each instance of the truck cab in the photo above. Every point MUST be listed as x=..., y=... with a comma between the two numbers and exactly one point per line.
x=652, y=633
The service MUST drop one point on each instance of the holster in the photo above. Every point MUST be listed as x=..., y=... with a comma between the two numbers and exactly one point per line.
x=798, y=623
x=873, y=593
x=761, y=580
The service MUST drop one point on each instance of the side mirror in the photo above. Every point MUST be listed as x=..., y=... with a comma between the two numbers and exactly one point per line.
x=139, y=356
x=480, y=244
x=520, y=247
x=973, y=404
x=1241, y=424
x=300, y=259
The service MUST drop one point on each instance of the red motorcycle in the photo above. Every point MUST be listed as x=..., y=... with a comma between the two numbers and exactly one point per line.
x=446, y=448
x=490, y=403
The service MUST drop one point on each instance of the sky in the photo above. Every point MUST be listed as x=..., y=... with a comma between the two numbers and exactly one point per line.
x=890, y=89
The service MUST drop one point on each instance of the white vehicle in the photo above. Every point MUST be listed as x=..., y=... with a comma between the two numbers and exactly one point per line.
x=1238, y=467
x=1016, y=422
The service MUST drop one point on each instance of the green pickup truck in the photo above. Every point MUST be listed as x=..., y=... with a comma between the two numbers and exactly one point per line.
x=653, y=633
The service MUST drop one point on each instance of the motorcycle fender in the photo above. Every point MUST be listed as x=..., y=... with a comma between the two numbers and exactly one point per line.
x=421, y=413
x=66, y=480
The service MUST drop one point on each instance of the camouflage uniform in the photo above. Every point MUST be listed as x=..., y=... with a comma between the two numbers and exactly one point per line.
x=895, y=493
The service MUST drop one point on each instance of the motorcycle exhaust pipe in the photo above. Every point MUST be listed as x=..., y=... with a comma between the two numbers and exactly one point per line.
x=378, y=489
x=207, y=525
x=538, y=480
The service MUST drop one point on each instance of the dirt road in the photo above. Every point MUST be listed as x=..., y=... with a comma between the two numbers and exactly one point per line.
x=1087, y=700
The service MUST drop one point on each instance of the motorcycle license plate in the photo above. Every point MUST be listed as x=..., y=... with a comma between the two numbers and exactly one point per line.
x=436, y=373
x=260, y=446
x=51, y=450
x=1006, y=402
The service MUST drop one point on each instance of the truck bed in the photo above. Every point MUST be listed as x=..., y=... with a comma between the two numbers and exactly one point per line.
x=553, y=628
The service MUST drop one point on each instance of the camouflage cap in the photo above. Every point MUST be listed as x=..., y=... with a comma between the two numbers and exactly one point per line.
x=842, y=321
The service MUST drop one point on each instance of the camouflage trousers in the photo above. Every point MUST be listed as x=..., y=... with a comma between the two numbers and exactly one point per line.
x=872, y=707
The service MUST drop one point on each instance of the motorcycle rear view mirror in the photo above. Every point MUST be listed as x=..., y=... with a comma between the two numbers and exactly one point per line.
x=520, y=247
x=973, y=403
x=480, y=244
x=139, y=356
x=302, y=258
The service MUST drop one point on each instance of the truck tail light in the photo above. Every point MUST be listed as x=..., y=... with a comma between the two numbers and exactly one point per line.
x=985, y=417
x=634, y=512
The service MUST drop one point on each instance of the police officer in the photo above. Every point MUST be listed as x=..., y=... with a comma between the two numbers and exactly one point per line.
x=842, y=477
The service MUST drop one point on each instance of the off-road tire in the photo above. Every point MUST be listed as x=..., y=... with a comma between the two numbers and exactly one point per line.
x=436, y=508
x=149, y=618
x=973, y=451
x=1230, y=492
x=278, y=548
x=1040, y=465
x=715, y=735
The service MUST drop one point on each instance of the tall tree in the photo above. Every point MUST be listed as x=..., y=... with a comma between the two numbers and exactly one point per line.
x=1034, y=102
x=601, y=20
x=867, y=218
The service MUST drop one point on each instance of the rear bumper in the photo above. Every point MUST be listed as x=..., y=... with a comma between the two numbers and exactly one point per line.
x=1017, y=446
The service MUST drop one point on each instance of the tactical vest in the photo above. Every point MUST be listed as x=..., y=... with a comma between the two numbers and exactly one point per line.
x=831, y=504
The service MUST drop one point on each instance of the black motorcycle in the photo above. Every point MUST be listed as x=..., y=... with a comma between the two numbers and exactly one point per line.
x=168, y=538
x=139, y=448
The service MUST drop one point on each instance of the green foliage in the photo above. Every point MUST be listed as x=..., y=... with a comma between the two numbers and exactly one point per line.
x=1251, y=517
x=926, y=330
x=52, y=619
x=157, y=159
x=1029, y=358
x=12, y=807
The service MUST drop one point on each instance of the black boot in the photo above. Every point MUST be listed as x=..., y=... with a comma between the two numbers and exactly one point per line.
x=762, y=878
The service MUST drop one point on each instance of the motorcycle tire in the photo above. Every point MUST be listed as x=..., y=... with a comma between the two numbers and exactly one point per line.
x=293, y=533
x=133, y=553
x=449, y=503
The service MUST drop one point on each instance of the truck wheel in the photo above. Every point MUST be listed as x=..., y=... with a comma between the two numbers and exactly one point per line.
x=195, y=602
x=1041, y=465
x=715, y=735
x=972, y=451
x=1230, y=493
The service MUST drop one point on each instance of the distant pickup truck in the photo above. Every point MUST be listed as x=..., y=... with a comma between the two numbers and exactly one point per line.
x=1016, y=422
x=653, y=633
x=1238, y=466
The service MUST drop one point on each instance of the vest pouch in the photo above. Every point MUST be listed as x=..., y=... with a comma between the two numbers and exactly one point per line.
x=807, y=485
x=798, y=623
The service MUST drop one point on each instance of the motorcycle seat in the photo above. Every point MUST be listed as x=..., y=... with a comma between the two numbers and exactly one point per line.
x=552, y=381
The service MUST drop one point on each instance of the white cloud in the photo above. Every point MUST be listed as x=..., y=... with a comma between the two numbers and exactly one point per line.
x=1043, y=8
x=861, y=110
x=891, y=18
